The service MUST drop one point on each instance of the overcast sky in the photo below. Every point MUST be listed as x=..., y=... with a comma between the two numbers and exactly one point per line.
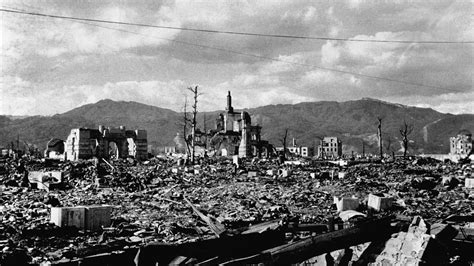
x=53, y=65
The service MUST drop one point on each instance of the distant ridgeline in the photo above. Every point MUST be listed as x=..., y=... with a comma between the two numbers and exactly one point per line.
x=352, y=122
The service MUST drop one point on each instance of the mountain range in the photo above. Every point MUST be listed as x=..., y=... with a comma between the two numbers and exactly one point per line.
x=354, y=122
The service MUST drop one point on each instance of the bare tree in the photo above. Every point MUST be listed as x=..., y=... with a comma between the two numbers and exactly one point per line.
x=379, y=134
x=283, y=141
x=194, y=121
x=204, y=122
x=405, y=130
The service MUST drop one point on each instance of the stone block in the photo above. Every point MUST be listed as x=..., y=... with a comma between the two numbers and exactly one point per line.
x=344, y=204
x=313, y=175
x=97, y=217
x=286, y=173
x=469, y=183
x=68, y=216
x=252, y=174
x=379, y=203
x=341, y=175
x=40, y=177
x=45, y=180
x=271, y=172
x=197, y=171
x=83, y=217
x=175, y=170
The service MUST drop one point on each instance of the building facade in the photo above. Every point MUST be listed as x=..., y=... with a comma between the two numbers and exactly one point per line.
x=106, y=142
x=461, y=144
x=330, y=147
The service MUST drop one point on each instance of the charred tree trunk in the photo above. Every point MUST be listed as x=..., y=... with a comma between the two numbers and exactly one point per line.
x=379, y=134
x=193, y=123
x=283, y=140
x=185, y=128
x=405, y=131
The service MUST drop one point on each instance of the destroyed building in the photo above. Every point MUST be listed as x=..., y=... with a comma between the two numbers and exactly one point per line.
x=234, y=134
x=54, y=149
x=298, y=150
x=177, y=145
x=330, y=147
x=106, y=142
x=461, y=144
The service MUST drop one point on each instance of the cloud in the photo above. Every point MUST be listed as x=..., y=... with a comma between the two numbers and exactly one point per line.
x=285, y=63
x=50, y=65
x=20, y=97
x=54, y=37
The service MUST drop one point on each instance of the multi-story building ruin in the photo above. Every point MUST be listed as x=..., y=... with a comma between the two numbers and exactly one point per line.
x=106, y=142
x=330, y=147
x=234, y=134
x=461, y=144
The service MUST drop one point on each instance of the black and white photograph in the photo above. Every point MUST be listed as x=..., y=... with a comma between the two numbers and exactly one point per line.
x=236, y=132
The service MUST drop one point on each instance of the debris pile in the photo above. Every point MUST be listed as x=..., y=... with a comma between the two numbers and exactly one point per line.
x=195, y=213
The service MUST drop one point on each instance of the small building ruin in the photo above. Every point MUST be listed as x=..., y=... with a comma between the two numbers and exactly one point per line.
x=297, y=150
x=55, y=149
x=106, y=142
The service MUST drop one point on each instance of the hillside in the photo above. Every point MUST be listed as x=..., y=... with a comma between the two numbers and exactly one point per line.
x=352, y=121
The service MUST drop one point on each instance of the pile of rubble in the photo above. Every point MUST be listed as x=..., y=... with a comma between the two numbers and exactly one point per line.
x=73, y=211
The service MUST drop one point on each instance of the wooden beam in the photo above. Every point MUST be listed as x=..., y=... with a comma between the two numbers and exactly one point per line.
x=313, y=246
x=217, y=228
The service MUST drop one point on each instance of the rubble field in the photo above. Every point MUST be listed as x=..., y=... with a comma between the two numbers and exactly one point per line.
x=157, y=201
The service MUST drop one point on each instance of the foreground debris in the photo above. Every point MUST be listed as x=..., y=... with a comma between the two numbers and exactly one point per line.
x=261, y=212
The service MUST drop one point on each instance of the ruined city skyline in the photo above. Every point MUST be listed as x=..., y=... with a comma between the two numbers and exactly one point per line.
x=413, y=53
x=354, y=122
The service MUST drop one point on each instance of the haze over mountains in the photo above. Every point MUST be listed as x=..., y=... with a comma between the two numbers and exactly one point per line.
x=352, y=121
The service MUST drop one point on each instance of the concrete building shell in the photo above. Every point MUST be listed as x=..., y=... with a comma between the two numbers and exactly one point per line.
x=330, y=147
x=461, y=144
x=106, y=142
x=234, y=134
